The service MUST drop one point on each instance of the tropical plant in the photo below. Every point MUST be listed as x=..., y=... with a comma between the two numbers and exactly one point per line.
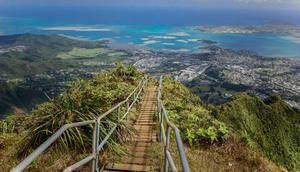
x=197, y=122
x=84, y=100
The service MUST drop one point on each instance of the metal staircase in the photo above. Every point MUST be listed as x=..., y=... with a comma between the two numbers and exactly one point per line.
x=138, y=146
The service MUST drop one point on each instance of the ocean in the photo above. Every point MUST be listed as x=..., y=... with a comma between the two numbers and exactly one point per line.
x=166, y=29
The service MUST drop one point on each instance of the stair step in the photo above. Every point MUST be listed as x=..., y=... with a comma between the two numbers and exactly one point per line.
x=153, y=139
x=147, y=112
x=134, y=160
x=140, y=135
x=145, y=119
x=144, y=133
x=141, y=144
x=130, y=167
x=143, y=137
x=145, y=123
x=142, y=118
x=142, y=127
x=141, y=140
x=138, y=154
x=131, y=149
x=146, y=116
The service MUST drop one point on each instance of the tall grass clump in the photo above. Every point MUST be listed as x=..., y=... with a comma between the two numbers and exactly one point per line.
x=195, y=121
x=83, y=100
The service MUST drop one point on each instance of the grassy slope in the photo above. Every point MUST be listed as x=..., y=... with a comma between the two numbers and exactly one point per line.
x=272, y=124
x=82, y=53
x=85, y=100
x=40, y=55
x=211, y=145
x=18, y=99
x=226, y=153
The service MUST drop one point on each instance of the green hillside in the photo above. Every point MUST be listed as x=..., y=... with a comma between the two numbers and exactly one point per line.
x=33, y=67
x=84, y=100
x=39, y=55
x=18, y=99
x=244, y=134
x=194, y=119
x=272, y=124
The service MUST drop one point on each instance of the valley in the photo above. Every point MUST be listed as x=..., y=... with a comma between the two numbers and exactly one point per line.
x=47, y=64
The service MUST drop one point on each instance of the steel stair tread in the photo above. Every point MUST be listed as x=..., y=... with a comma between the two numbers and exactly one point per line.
x=130, y=167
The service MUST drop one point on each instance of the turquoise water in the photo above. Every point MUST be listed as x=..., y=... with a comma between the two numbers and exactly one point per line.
x=161, y=37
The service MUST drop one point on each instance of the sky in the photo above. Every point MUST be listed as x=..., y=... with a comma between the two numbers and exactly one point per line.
x=268, y=4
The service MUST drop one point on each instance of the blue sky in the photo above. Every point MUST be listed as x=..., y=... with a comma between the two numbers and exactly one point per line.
x=270, y=4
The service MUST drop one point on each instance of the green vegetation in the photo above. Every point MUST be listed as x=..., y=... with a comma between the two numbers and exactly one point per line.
x=211, y=88
x=240, y=135
x=40, y=54
x=82, y=53
x=103, y=54
x=116, y=54
x=196, y=122
x=44, y=65
x=14, y=98
x=84, y=100
x=272, y=124
x=215, y=134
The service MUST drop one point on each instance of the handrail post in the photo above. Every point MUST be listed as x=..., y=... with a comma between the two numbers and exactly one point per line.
x=95, y=146
x=161, y=124
x=160, y=120
x=167, y=147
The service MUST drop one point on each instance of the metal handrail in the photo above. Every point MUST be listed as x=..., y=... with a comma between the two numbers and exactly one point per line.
x=165, y=131
x=96, y=146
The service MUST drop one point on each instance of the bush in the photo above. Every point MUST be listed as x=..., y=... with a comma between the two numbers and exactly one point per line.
x=196, y=122
x=84, y=100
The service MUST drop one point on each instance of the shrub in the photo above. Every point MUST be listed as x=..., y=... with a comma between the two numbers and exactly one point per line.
x=196, y=122
x=84, y=100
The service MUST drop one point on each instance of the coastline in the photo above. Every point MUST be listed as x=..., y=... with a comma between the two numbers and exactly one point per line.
x=174, y=38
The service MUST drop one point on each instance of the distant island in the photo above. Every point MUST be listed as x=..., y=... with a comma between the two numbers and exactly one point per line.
x=268, y=28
